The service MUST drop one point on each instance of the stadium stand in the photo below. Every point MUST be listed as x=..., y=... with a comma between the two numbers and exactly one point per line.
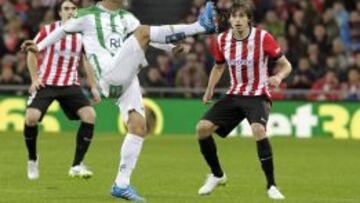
x=320, y=38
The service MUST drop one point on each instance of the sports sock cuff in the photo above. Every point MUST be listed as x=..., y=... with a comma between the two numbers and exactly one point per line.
x=154, y=33
x=87, y=125
x=31, y=127
x=207, y=141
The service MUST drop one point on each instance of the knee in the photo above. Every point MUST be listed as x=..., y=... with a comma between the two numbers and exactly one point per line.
x=137, y=126
x=32, y=117
x=87, y=115
x=258, y=131
x=204, y=129
x=142, y=33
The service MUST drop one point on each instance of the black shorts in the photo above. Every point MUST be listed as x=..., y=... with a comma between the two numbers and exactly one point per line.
x=228, y=112
x=71, y=99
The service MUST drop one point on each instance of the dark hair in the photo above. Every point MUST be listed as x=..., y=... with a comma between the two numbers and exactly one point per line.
x=224, y=14
x=247, y=6
x=58, y=6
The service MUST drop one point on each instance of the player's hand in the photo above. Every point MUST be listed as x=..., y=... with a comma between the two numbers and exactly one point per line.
x=209, y=93
x=181, y=49
x=96, y=95
x=35, y=86
x=29, y=45
x=275, y=81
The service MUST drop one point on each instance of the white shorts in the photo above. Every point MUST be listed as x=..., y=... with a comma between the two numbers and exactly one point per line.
x=131, y=99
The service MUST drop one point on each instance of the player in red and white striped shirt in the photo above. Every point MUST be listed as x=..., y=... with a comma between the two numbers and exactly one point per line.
x=245, y=50
x=54, y=76
x=57, y=65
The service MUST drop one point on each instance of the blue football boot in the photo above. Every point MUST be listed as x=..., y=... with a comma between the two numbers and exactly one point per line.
x=127, y=193
x=208, y=18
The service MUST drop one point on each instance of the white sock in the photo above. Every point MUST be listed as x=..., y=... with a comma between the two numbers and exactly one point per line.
x=166, y=33
x=130, y=151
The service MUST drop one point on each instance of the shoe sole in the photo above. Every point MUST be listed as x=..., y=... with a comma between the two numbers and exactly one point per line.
x=123, y=198
x=276, y=198
x=33, y=178
x=80, y=176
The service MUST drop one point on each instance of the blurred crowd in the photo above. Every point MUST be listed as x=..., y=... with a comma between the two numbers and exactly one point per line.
x=321, y=38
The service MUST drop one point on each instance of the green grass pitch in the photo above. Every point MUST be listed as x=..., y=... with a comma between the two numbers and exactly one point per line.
x=171, y=169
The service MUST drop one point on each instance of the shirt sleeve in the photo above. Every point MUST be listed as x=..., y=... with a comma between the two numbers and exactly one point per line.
x=218, y=54
x=132, y=23
x=71, y=26
x=74, y=25
x=271, y=47
x=52, y=38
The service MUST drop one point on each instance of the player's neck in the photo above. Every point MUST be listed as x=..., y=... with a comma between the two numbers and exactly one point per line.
x=241, y=34
x=111, y=5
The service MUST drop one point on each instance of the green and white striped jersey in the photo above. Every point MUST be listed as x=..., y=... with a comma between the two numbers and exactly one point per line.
x=103, y=33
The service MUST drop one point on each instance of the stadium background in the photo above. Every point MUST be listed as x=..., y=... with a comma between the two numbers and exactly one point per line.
x=321, y=38
x=320, y=99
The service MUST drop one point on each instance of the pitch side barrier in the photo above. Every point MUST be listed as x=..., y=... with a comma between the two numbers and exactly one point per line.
x=302, y=119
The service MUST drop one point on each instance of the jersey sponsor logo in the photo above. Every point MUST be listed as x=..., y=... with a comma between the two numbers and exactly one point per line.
x=240, y=62
x=66, y=52
x=114, y=42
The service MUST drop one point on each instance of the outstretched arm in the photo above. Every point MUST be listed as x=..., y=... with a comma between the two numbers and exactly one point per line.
x=73, y=25
x=52, y=38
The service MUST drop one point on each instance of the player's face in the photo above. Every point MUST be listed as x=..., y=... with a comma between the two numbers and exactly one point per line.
x=67, y=11
x=119, y=2
x=239, y=20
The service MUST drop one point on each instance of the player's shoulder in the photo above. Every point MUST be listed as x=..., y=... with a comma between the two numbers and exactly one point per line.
x=48, y=27
x=223, y=34
x=126, y=14
x=263, y=31
x=87, y=11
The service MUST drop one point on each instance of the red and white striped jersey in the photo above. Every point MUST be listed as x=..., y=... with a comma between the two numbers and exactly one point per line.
x=247, y=60
x=57, y=64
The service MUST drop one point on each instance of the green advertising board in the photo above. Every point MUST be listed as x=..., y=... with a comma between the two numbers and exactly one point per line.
x=302, y=119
